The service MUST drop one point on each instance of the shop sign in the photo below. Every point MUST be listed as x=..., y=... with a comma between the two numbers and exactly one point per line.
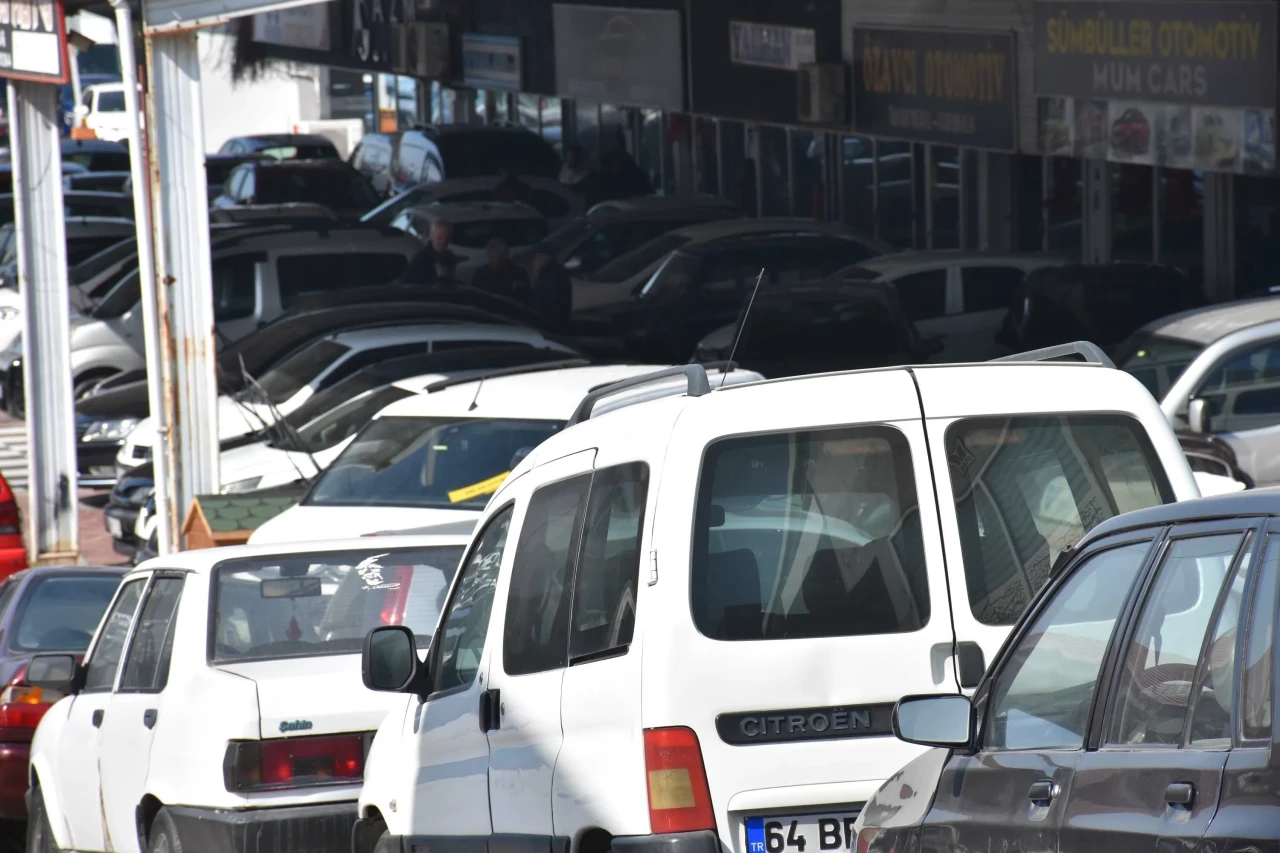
x=622, y=56
x=770, y=46
x=491, y=62
x=953, y=87
x=305, y=27
x=33, y=40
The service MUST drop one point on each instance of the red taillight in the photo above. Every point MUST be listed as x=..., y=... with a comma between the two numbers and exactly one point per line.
x=294, y=762
x=21, y=707
x=10, y=523
x=397, y=596
x=679, y=800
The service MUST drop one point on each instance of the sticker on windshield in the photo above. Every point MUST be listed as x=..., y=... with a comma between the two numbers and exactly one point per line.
x=371, y=573
x=484, y=487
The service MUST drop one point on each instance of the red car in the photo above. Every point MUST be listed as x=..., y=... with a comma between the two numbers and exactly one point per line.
x=13, y=551
x=1131, y=133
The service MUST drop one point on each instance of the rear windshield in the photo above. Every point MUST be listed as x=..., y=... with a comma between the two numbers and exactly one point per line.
x=300, y=370
x=1026, y=488
x=476, y=155
x=335, y=188
x=1157, y=362
x=60, y=614
x=808, y=534
x=638, y=260
x=513, y=232
x=448, y=463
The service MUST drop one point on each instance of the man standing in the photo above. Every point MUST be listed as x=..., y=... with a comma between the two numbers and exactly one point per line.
x=499, y=276
x=422, y=266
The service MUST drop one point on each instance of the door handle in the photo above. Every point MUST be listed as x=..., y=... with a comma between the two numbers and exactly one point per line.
x=97, y=718
x=149, y=718
x=490, y=710
x=1043, y=791
x=1180, y=794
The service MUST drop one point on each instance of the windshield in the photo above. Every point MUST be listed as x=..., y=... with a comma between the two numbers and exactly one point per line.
x=303, y=605
x=1157, y=362
x=447, y=463
x=676, y=273
x=335, y=188
x=300, y=370
x=60, y=613
x=638, y=260
x=346, y=420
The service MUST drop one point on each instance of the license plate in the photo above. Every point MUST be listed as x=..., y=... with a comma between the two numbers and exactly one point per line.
x=115, y=528
x=801, y=834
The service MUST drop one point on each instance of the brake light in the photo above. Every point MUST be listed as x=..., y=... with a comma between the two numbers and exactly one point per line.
x=21, y=706
x=679, y=800
x=10, y=523
x=295, y=762
x=397, y=596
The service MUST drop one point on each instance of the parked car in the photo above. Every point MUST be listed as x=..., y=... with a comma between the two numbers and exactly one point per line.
x=1209, y=454
x=257, y=651
x=107, y=182
x=474, y=225
x=786, y=527
x=407, y=467
x=85, y=236
x=283, y=146
x=375, y=158
x=218, y=167
x=102, y=110
x=551, y=199
x=1081, y=716
x=77, y=203
x=331, y=184
x=433, y=153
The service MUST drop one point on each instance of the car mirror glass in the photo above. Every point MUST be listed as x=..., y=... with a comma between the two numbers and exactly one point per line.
x=1198, y=415
x=391, y=662
x=53, y=672
x=943, y=721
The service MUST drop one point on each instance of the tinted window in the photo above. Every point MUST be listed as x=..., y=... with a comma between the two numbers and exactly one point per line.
x=111, y=102
x=923, y=294
x=1157, y=362
x=320, y=272
x=471, y=155
x=1159, y=667
x=1102, y=304
x=1026, y=488
x=235, y=290
x=808, y=534
x=147, y=667
x=466, y=622
x=1041, y=697
x=375, y=355
x=989, y=288
x=604, y=591
x=60, y=614
x=535, y=632
x=1243, y=392
x=336, y=188
x=100, y=672
x=1215, y=692
x=299, y=370
x=1255, y=711
x=514, y=232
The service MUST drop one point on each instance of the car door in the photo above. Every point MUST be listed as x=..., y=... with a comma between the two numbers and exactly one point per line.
x=136, y=708
x=1008, y=794
x=1243, y=397
x=986, y=292
x=451, y=792
x=531, y=651
x=1154, y=779
x=76, y=763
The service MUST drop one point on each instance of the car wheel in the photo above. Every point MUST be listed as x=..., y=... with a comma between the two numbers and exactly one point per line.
x=39, y=833
x=163, y=837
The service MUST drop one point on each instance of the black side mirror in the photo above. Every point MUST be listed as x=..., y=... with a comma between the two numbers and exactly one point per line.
x=943, y=721
x=61, y=673
x=390, y=662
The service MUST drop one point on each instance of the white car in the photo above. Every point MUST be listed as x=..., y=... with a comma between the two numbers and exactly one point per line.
x=437, y=456
x=474, y=225
x=102, y=110
x=682, y=625
x=221, y=696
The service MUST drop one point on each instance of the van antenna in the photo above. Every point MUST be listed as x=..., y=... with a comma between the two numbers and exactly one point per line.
x=737, y=336
x=476, y=398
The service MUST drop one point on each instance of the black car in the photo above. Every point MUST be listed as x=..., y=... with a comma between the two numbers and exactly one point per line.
x=80, y=203
x=330, y=184
x=283, y=146
x=1131, y=708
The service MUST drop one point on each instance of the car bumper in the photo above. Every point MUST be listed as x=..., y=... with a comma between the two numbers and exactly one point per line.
x=323, y=828
x=705, y=841
x=14, y=760
x=120, y=522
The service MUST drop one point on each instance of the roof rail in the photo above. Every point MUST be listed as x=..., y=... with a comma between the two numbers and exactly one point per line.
x=1081, y=350
x=515, y=370
x=695, y=374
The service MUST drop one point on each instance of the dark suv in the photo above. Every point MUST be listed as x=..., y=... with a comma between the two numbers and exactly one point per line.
x=1130, y=708
x=329, y=183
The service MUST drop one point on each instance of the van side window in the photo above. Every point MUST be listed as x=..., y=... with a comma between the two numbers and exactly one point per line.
x=1255, y=707
x=459, y=641
x=535, y=632
x=604, y=590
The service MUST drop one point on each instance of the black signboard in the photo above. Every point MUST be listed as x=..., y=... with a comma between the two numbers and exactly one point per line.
x=953, y=87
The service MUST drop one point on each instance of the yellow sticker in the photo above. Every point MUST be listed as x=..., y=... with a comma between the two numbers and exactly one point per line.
x=484, y=487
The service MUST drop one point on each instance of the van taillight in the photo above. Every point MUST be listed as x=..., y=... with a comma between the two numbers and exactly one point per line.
x=679, y=800
x=295, y=762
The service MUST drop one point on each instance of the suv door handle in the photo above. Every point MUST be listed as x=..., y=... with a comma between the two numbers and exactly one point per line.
x=149, y=718
x=1180, y=794
x=97, y=718
x=490, y=710
x=1043, y=791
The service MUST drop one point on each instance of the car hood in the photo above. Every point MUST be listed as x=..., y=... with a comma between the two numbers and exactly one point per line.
x=275, y=466
x=314, y=695
x=233, y=422
x=302, y=523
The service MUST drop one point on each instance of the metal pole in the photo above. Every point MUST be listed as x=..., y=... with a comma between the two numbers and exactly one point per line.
x=77, y=93
x=146, y=276
x=184, y=277
x=36, y=155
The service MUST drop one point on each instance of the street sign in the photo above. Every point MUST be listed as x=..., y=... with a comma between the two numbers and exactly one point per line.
x=33, y=40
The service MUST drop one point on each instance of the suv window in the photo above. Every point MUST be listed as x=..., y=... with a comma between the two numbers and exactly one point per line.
x=235, y=290
x=375, y=355
x=808, y=534
x=147, y=667
x=923, y=294
x=320, y=272
x=535, y=632
x=1244, y=392
x=466, y=621
x=989, y=288
x=1042, y=695
x=1028, y=487
x=100, y=675
x=1255, y=711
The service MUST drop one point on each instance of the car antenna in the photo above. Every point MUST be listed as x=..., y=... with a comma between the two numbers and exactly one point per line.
x=737, y=336
x=476, y=398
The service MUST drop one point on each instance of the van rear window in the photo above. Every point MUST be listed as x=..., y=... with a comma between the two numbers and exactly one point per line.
x=1026, y=488
x=809, y=534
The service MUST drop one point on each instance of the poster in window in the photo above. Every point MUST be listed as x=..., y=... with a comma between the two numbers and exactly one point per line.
x=1091, y=129
x=1218, y=133
x=1056, y=127
x=1259, y=141
x=1129, y=127
x=1173, y=136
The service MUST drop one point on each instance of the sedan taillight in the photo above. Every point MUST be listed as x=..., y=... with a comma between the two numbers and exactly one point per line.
x=268, y=765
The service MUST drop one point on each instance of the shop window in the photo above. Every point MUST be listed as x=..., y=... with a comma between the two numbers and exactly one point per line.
x=894, y=172
x=775, y=191
x=1132, y=238
x=1063, y=203
x=1257, y=233
x=944, y=195
x=588, y=130
x=807, y=185
x=613, y=135
x=856, y=157
x=989, y=288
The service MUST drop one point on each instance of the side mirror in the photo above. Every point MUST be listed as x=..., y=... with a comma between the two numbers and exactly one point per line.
x=55, y=672
x=1198, y=415
x=942, y=721
x=574, y=263
x=390, y=663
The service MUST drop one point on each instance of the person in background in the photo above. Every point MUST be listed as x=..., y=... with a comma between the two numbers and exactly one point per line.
x=422, y=266
x=576, y=168
x=552, y=288
x=499, y=276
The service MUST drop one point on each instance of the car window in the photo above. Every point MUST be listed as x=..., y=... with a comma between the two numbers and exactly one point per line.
x=472, y=155
x=1158, y=670
x=535, y=636
x=1243, y=392
x=299, y=370
x=340, y=189
x=110, y=102
x=320, y=272
x=808, y=534
x=235, y=184
x=82, y=248
x=59, y=613
x=466, y=621
x=1215, y=690
x=235, y=288
x=1157, y=362
x=1042, y=694
x=100, y=674
x=1026, y=488
x=345, y=420
x=639, y=259
x=923, y=294
x=604, y=590
x=374, y=355
x=477, y=233
x=989, y=288
x=147, y=666
x=1255, y=710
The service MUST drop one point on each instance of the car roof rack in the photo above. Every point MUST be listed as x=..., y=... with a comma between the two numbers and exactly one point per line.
x=694, y=374
x=497, y=373
x=1075, y=351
